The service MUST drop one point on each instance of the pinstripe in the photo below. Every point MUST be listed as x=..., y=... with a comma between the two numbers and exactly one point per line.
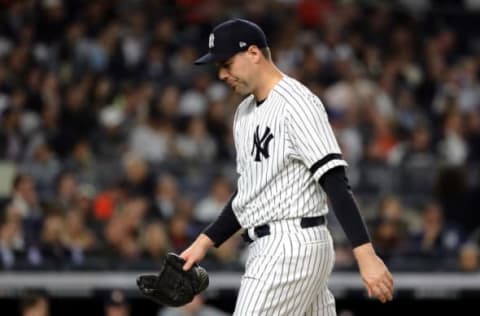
x=249, y=285
x=319, y=114
x=296, y=268
x=304, y=117
x=323, y=304
x=282, y=275
x=320, y=264
x=270, y=297
x=319, y=304
x=307, y=132
x=278, y=279
x=291, y=277
x=254, y=278
x=312, y=261
x=271, y=193
x=286, y=272
x=287, y=293
x=303, y=285
x=244, y=288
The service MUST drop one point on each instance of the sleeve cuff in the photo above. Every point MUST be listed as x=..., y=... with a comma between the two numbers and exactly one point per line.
x=330, y=161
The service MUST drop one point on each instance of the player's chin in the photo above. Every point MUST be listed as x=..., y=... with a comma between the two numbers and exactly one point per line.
x=241, y=91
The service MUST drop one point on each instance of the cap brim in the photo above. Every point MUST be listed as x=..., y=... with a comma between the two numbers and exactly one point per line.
x=205, y=59
x=212, y=58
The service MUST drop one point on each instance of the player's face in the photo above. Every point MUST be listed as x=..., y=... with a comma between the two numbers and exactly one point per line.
x=236, y=72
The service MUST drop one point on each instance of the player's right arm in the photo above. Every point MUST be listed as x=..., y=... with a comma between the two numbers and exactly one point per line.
x=224, y=227
x=196, y=251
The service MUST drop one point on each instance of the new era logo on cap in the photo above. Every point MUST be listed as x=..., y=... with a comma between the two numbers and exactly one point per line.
x=230, y=38
x=211, y=41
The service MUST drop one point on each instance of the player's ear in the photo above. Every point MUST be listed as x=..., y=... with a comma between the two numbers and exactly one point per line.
x=254, y=53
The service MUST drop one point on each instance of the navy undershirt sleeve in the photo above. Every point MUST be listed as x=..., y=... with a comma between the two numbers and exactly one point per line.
x=224, y=226
x=335, y=184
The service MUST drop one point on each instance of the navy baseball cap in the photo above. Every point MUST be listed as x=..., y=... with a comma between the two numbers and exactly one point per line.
x=231, y=37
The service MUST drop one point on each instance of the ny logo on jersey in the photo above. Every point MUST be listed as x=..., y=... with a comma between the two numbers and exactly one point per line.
x=260, y=145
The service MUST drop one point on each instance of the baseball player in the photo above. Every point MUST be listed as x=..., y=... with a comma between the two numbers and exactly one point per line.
x=288, y=162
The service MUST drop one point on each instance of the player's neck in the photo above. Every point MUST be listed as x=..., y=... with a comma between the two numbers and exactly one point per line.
x=267, y=79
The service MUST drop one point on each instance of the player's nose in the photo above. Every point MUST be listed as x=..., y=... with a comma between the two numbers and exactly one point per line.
x=222, y=74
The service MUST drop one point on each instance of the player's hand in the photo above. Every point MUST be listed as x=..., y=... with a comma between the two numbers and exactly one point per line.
x=197, y=251
x=375, y=275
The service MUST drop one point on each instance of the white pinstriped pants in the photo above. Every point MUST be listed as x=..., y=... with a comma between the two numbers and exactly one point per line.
x=287, y=273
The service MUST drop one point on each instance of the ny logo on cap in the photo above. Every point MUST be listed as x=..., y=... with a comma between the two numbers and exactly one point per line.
x=242, y=44
x=211, y=41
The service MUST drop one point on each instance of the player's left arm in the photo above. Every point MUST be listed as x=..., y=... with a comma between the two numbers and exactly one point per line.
x=312, y=139
x=376, y=276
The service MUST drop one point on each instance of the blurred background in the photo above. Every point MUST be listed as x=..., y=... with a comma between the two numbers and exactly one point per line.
x=115, y=149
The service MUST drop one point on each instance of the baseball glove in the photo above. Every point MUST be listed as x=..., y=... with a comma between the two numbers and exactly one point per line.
x=173, y=286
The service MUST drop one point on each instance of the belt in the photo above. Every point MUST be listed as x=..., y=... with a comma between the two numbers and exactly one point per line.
x=264, y=230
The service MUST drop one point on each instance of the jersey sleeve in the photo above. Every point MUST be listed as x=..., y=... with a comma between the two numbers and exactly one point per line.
x=224, y=226
x=312, y=136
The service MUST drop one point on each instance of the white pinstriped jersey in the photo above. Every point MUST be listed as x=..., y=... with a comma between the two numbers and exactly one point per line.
x=283, y=148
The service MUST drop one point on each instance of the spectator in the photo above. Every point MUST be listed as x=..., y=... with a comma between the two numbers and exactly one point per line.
x=25, y=200
x=156, y=66
x=166, y=196
x=438, y=240
x=416, y=151
x=82, y=84
x=157, y=131
x=136, y=177
x=11, y=138
x=35, y=303
x=116, y=304
x=155, y=242
x=84, y=200
x=79, y=238
x=82, y=163
x=12, y=244
x=469, y=258
x=111, y=139
x=195, y=308
x=66, y=191
x=53, y=247
x=473, y=135
x=452, y=147
x=120, y=247
x=77, y=121
x=44, y=167
x=180, y=231
x=108, y=202
x=208, y=208
x=390, y=228
x=196, y=145
x=228, y=256
x=194, y=102
x=133, y=214
x=217, y=126
x=167, y=103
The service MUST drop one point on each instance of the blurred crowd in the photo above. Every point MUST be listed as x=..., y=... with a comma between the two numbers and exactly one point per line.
x=34, y=302
x=115, y=149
